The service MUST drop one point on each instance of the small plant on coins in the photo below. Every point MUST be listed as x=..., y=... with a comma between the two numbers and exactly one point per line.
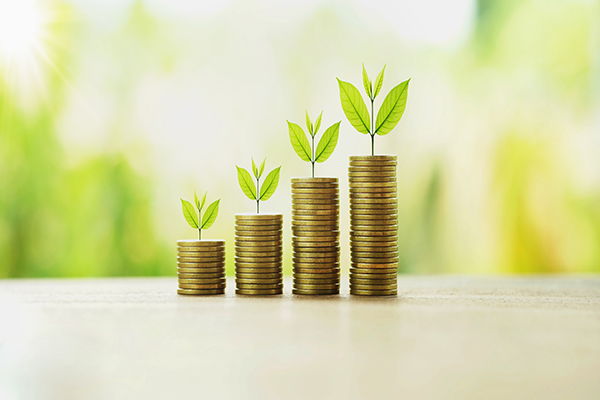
x=389, y=114
x=256, y=191
x=307, y=151
x=199, y=221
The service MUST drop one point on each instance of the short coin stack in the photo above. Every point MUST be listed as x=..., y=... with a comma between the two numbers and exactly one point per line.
x=315, y=236
x=201, y=267
x=373, y=225
x=258, y=254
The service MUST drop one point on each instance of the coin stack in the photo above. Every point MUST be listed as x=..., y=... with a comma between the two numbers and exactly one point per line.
x=315, y=236
x=373, y=225
x=258, y=254
x=201, y=267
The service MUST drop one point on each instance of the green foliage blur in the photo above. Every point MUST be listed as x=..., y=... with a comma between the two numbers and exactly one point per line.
x=506, y=182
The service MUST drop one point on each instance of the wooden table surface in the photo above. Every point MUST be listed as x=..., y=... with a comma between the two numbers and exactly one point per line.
x=441, y=338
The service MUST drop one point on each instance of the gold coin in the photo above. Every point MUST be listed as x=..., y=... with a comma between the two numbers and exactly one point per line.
x=219, y=264
x=201, y=281
x=202, y=270
x=375, y=254
x=376, y=224
x=366, y=239
x=315, y=265
x=264, y=292
x=372, y=260
x=357, y=292
x=391, y=216
x=374, y=200
x=314, y=197
x=393, y=270
x=373, y=195
x=213, y=275
x=317, y=241
x=277, y=275
x=316, y=254
x=363, y=275
x=371, y=209
x=362, y=233
x=373, y=189
x=257, y=225
x=368, y=173
x=320, y=220
x=315, y=281
x=204, y=260
x=307, y=229
x=315, y=260
x=258, y=264
x=373, y=226
x=326, y=247
x=316, y=212
x=314, y=202
x=320, y=190
x=314, y=180
x=371, y=168
x=317, y=277
x=258, y=251
x=244, y=271
x=376, y=282
x=196, y=286
x=316, y=292
x=203, y=292
x=252, y=216
x=327, y=186
x=200, y=250
x=258, y=229
x=258, y=281
x=260, y=237
x=263, y=244
x=316, y=271
x=362, y=251
x=332, y=205
x=319, y=233
x=200, y=243
x=258, y=259
x=356, y=179
x=323, y=286
x=375, y=158
x=256, y=286
x=256, y=240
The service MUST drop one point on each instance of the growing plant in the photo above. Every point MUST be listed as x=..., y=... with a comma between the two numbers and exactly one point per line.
x=198, y=221
x=307, y=151
x=389, y=114
x=256, y=192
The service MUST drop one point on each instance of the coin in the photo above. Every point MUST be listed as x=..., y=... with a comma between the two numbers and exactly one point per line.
x=204, y=260
x=204, y=286
x=308, y=253
x=328, y=260
x=374, y=271
x=372, y=168
x=314, y=197
x=257, y=286
x=316, y=265
x=261, y=244
x=362, y=250
x=252, y=216
x=323, y=286
x=374, y=260
x=299, y=270
x=373, y=195
x=201, y=292
x=304, y=200
x=241, y=275
x=375, y=254
x=315, y=281
x=374, y=158
x=263, y=292
x=201, y=270
x=357, y=292
x=256, y=229
x=319, y=211
x=258, y=235
x=362, y=281
x=214, y=275
x=240, y=264
x=259, y=240
x=318, y=233
x=362, y=210
x=258, y=259
x=258, y=281
x=390, y=276
x=200, y=243
x=320, y=190
x=316, y=292
x=202, y=281
x=325, y=277
x=331, y=206
x=361, y=233
x=390, y=216
x=356, y=179
x=259, y=252
x=315, y=180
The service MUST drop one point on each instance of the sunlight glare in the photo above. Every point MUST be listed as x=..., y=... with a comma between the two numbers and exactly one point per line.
x=20, y=27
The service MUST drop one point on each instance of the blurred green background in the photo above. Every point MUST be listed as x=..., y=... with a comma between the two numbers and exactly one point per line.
x=110, y=111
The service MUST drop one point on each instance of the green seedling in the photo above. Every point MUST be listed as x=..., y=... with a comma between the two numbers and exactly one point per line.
x=389, y=114
x=199, y=221
x=307, y=151
x=255, y=191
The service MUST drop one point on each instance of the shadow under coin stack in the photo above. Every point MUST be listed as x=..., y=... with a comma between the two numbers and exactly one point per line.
x=258, y=254
x=201, y=267
x=373, y=226
x=315, y=236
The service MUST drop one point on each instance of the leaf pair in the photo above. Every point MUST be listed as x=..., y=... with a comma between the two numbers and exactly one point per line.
x=326, y=145
x=193, y=219
x=391, y=109
x=258, y=171
x=250, y=188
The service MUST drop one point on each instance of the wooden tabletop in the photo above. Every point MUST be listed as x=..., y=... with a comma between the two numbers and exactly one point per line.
x=441, y=338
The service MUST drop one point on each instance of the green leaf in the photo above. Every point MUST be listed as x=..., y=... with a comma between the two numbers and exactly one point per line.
x=327, y=143
x=262, y=167
x=203, y=201
x=391, y=109
x=299, y=141
x=196, y=200
x=270, y=184
x=211, y=214
x=367, y=83
x=189, y=212
x=246, y=183
x=354, y=106
x=309, y=124
x=254, y=169
x=379, y=82
x=318, y=123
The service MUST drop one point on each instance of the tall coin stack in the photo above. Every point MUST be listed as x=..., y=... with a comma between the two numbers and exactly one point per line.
x=315, y=236
x=258, y=254
x=201, y=267
x=373, y=225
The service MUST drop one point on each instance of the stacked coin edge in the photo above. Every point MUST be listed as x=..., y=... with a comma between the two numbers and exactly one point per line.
x=201, y=267
x=315, y=236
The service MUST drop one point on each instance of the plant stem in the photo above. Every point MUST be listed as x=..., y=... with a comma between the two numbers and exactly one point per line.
x=372, y=128
x=199, y=224
x=257, y=195
x=313, y=156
